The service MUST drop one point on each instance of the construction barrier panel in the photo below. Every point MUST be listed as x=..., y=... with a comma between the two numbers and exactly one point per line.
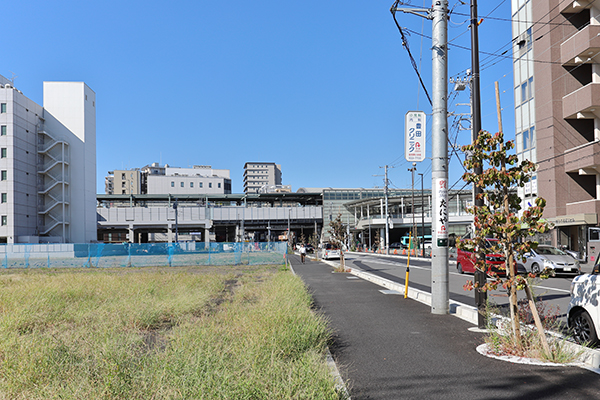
x=110, y=255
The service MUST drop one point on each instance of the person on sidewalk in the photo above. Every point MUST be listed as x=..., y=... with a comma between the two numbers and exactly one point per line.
x=302, y=252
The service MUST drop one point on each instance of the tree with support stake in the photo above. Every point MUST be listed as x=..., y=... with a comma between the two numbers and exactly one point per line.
x=338, y=234
x=499, y=218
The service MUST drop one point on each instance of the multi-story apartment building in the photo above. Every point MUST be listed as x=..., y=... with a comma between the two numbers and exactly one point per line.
x=123, y=182
x=157, y=179
x=48, y=164
x=259, y=174
x=557, y=109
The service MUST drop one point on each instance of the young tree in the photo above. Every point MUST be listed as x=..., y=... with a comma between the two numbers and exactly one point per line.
x=314, y=240
x=338, y=235
x=499, y=218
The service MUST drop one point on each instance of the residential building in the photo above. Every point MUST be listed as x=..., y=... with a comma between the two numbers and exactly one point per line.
x=48, y=164
x=557, y=110
x=259, y=174
x=123, y=182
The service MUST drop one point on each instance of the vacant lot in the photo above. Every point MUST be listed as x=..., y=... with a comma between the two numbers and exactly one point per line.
x=243, y=332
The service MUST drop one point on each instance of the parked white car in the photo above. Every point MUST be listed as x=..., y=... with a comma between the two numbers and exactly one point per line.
x=329, y=251
x=583, y=316
x=550, y=257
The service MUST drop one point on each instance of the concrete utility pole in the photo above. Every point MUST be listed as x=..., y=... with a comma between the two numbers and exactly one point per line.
x=414, y=231
x=387, y=215
x=440, y=299
x=439, y=160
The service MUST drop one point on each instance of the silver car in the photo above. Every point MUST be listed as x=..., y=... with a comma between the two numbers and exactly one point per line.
x=550, y=257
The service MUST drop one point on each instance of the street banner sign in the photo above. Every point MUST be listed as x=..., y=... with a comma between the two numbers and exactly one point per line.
x=441, y=209
x=414, y=136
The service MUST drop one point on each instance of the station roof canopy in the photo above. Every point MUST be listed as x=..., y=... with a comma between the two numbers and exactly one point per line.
x=302, y=198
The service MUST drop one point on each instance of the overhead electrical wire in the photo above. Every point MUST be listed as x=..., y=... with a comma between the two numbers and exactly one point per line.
x=405, y=44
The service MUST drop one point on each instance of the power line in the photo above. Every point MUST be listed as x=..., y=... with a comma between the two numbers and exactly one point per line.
x=405, y=44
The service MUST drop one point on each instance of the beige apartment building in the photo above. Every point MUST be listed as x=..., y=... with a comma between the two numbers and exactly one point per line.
x=557, y=114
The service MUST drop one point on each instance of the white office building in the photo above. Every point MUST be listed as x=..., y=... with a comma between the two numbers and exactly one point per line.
x=48, y=164
x=201, y=179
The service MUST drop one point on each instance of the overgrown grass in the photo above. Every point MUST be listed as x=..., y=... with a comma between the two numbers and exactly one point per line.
x=161, y=335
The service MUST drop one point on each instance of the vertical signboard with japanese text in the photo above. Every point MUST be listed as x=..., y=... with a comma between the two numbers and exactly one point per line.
x=441, y=226
x=414, y=136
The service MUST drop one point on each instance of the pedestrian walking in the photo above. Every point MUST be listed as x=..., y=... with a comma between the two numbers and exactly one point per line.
x=302, y=252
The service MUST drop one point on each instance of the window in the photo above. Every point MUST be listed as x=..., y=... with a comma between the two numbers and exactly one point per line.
x=3, y=152
x=209, y=184
x=4, y=220
x=191, y=184
x=4, y=198
x=123, y=175
x=181, y=184
x=124, y=191
x=2, y=108
x=3, y=175
x=200, y=184
x=172, y=184
x=219, y=185
x=3, y=130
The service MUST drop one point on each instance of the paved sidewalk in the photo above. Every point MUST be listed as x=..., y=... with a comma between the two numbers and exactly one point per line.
x=388, y=347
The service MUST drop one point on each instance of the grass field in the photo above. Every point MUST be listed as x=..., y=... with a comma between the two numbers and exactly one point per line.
x=244, y=332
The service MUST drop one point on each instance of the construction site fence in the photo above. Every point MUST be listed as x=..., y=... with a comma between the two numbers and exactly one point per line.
x=112, y=255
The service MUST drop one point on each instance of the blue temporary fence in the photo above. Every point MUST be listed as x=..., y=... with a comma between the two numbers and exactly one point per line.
x=109, y=255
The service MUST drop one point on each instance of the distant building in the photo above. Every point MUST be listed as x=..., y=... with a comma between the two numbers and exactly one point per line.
x=48, y=164
x=157, y=179
x=123, y=182
x=259, y=174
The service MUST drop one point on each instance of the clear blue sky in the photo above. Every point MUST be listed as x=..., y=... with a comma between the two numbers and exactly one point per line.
x=320, y=87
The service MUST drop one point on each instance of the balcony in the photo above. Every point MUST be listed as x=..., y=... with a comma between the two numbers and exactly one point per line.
x=584, y=207
x=586, y=156
x=581, y=46
x=574, y=6
x=582, y=103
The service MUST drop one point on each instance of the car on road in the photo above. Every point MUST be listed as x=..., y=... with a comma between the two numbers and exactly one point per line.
x=309, y=248
x=329, y=251
x=396, y=246
x=552, y=258
x=465, y=261
x=583, y=316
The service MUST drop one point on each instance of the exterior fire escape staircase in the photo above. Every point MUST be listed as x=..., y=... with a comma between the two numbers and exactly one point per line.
x=53, y=181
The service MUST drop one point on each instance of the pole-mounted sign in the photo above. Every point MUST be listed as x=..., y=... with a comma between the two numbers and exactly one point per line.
x=414, y=136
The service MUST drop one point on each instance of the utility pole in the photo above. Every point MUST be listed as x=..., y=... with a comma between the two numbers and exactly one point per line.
x=422, y=214
x=480, y=278
x=387, y=215
x=438, y=13
x=440, y=298
x=412, y=171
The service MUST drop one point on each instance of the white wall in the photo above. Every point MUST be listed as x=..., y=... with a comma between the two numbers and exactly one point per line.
x=71, y=114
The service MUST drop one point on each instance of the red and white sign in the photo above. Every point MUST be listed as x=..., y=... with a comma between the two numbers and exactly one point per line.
x=441, y=208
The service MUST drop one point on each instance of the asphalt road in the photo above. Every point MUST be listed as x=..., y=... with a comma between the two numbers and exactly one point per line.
x=388, y=347
x=553, y=291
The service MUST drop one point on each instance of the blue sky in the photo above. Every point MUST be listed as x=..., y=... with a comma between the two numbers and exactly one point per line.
x=320, y=87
